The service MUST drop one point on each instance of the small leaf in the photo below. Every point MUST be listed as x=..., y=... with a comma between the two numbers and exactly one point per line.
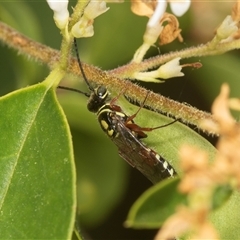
x=221, y=195
x=155, y=205
x=37, y=176
x=227, y=218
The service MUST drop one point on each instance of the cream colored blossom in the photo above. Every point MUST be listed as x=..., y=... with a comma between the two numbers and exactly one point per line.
x=84, y=27
x=202, y=179
x=168, y=70
x=227, y=29
x=158, y=21
x=178, y=7
x=61, y=13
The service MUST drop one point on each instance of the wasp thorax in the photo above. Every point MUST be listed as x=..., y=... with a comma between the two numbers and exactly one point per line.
x=97, y=99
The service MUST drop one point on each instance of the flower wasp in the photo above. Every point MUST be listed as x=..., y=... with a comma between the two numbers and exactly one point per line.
x=124, y=132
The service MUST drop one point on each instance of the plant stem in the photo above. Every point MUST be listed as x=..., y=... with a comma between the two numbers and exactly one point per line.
x=112, y=80
x=78, y=11
x=203, y=50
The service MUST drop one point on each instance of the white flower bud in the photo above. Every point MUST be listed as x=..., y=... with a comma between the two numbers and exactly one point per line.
x=168, y=70
x=61, y=13
x=171, y=69
x=227, y=28
x=154, y=25
x=180, y=7
x=158, y=13
x=84, y=27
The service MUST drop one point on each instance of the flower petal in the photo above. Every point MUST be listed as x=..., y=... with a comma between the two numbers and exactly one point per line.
x=82, y=29
x=142, y=8
x=94, y=9
x=179, y=7
x=171, y=69
x=158, y=13
x=58, y=5
x=227, y=28
x=171, y=29
x=61, y=14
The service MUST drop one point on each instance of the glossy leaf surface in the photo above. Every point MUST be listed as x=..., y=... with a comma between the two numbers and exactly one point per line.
x=227, y=218
x=155, y=205
x=37, y=177
x=167, y=141
x=102, y=176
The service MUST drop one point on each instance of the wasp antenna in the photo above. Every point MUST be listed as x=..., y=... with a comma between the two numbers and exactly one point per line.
x=80, y=65
x=74, y=90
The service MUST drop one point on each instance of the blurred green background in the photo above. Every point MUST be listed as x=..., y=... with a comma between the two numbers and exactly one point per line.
x=107, y=186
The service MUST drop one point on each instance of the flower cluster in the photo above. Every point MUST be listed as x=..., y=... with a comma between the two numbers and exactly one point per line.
x=160, y=24
x=229, y=29
x=203, y=180
x=84, y=26
x=227, y=164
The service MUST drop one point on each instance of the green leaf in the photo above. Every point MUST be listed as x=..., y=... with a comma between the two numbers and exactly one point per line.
x=102, y=177
x=167, y=141
x=221, y=195
x=160, y=201
x=102, y=174
x=227, y=218
x=37, y=174
x=155, y=205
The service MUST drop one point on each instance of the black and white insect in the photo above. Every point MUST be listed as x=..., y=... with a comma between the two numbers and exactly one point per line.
x=124, y=132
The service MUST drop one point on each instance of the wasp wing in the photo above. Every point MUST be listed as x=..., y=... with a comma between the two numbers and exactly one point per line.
x=138, y=155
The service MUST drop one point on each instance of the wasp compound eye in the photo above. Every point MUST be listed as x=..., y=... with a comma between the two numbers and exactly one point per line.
x=101, y=92
x=97, y=99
